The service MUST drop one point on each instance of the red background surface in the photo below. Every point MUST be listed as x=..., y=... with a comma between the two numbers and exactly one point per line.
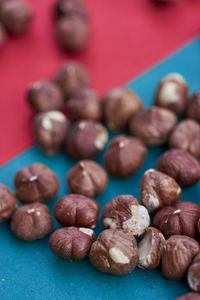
x=128, y=37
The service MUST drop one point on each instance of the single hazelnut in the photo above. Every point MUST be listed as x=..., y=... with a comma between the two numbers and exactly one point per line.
x=7, y=203
x=2, y=35
x=181, y=166
x=31, y=222
x=77, y=210
x=193, y=109
x=36, y=183
x=177, y=255
x=179, y=219
x=153, y=126
x=72, y=243
x=68, y=8
x=119, y=106
x=87, y=178
x=189, y=296
x=193, y=274
x=124, y=212
x=150, y=249
x=114, y=252
x=125, y=156
x=157, y=190
x=86, y=139
x=50, y=131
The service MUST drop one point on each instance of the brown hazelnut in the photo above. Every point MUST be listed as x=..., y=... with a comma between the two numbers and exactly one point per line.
x=50, y=130
x=86, y=139
x=72, y=243
x=180, y=165
x=150, y=249
x=186, y=136
x=189, y=296
x=31, y=222
x=193, y=274
x=114, y=252
x=157, y=190
x=119, y=106
x=2, y=35
x=36, y=183
x=193, y=109
x=125, y=156
x=124, y=212
x=87, y=178
x=177, y=255
x=181, y=219
x=67, y=8
x=77, y=210
x=153, y=126
x=7, y=203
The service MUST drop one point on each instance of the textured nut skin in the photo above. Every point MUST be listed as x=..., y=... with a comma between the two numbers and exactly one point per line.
x=180, y=165
x=193, y=109
x=67, y=8
x=86, y=139
x=150, y=249
x=193, y=274
x=50, y=131
x=124, y=156
x=179, y=219
x=124, y=212
x=36, y=183
x=2, y=35
x=189, y=296
x=77, y=210
x=7, y=203
x=186, y=136
x=178, y=252
x=87, y=178
x=31, y=222
x=72, y=243
x=157, y=190
x=153, y=126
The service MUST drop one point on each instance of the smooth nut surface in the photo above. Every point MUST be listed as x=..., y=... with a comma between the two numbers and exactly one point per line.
x=193, y=109
x=193, y=274
x=67, y=8
x=189, y=296
x=7, y=203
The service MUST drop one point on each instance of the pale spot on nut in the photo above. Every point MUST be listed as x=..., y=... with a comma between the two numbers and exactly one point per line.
x=86, y=231
x=121, y=144
x=56, y=116
x=100, y=140
x=176, y=211
x=82, y=125
x=81, y=164
x=168, y=93
x=38, y=213
x=175, y=76
x=193, y=282
x=149, y=171
x=31, y=210
x=144, y=249
x=108, y=222
x=151, y=202
x=33, y=178
x=46, y=123
x=118, y=256
x=178, y=191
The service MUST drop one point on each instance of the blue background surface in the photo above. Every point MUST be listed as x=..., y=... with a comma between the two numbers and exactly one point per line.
x=29, y=270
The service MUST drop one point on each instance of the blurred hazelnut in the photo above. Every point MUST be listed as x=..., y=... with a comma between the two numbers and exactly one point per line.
x=114, y=252
x=2, y=35
x=189, y=296
x=180, y=165
x=68, y=8
x=36, y=183
x=157, y=190
x=153, y=126
x=124, y=212
x=31, y=222
x=86, y=139
x=77, y=210
x=125, y=156
x=72, y=243
x=87, y=178
x=193, y=109
x=193, y=274
x=7, y=203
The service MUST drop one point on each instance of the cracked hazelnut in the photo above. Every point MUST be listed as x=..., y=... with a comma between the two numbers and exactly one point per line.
x=67, y=8
x=157, y=190
x=87, y=178
x=2, y=35
x=180, y=165
x=124, y=212
x=50, y=130
x=153, y=126
x=189, y=296
x=72, y=243
x=36, y=183
x=7, y=203
x=193, y=274
x=86, y=139
x=125, y=156
x=77, y=210
x=114, y=252
x=31, y=222
x=150, y=249
x=193, y=109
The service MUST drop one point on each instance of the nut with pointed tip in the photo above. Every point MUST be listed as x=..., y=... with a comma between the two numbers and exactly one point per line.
x=67, y=8
x=7, y=203
x=193, y=109
x=189, y=296
x=193, y=274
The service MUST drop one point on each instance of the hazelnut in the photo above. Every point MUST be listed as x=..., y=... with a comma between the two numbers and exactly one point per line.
x=50, y=130
x=67, y=8
x=193, y=274
x=114, y=252
x=150, y=249
x=157, y=190
x=36, y=183
x=2, y=35
x=72, y=243
x=180, y=165
x=125, y=156
x=181, y=219
x=87, y=178
x=177, y=255
x=77, y=210
x=7, y=203
x=124, y=212
x=86, y=139
x=31, y=222
x=193, y=109
x=189, y=296
x=153, y=126
x=120, y=105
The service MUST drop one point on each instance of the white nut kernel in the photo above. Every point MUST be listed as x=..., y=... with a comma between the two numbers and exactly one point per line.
x=118, y=256
x=108, y=222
